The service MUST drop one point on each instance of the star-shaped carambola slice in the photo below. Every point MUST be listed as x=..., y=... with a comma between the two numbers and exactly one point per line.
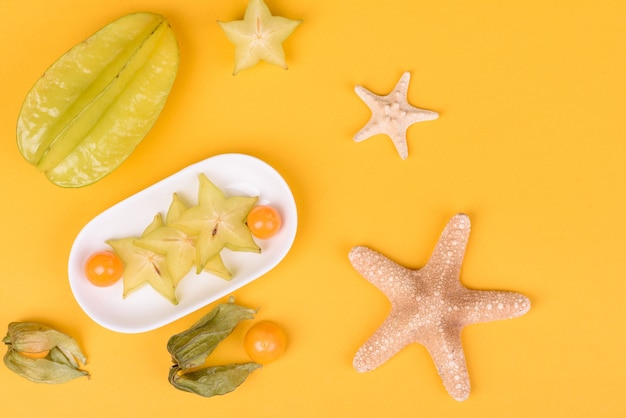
x=143, y=266
x=179, y=247
x=392, y=115
x=259, y=36
x=215, y=265
x=218, y=222
x=176, y=246
x=431, y=307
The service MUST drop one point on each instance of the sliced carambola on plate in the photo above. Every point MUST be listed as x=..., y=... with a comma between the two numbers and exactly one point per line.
x=219, y=222
x=143, y=266
x=179, y=247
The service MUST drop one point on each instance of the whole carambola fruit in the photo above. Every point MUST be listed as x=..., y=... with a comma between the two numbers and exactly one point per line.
x=91, y=108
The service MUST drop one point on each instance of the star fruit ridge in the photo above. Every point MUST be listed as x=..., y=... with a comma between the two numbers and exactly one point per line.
x=431, y=307
x=259, y=36
x=143, y=266
x=179, y=246
x=219, y=222
x=392, y=115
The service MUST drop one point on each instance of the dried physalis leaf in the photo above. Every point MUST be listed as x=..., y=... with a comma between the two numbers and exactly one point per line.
x=211, y=381
x=42, y=354
x=190, y=349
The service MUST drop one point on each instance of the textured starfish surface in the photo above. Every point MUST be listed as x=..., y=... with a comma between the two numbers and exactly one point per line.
x=259, y=36
x=431, y=307
x=392, y=115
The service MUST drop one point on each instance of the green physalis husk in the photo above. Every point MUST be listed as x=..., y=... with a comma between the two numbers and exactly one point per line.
x=211, y=381
x=190, y=349
x=58, y=366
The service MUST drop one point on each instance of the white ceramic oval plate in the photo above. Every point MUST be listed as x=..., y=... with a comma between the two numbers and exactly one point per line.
x=145, y=309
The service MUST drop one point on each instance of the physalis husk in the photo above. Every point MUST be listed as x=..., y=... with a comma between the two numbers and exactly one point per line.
x=42, y=354
x=190, y=349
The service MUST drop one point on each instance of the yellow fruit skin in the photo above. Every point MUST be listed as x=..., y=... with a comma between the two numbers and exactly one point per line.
x=93, y=106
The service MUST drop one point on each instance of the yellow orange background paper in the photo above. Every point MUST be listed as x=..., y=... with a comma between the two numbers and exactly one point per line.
x=530, y=143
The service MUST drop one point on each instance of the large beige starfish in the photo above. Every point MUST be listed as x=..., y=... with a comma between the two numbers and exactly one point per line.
x=392, y=115
x=259, y=36
x=430, y=306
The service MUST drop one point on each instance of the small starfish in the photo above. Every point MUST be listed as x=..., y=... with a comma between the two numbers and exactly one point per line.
x=259, y=36
x=392, y=114
x=430, y=306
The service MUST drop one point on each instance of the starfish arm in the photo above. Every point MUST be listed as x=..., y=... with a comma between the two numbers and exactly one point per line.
x=402, y=87
x=372, y=127
x=447, y=353
x=382, y=345
x=416, y=114
x=369, y=130
x=399, y=141
x=400, y=95
x=370, y=99
x=391, y=278
x=490, y=305
x=447, y=257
